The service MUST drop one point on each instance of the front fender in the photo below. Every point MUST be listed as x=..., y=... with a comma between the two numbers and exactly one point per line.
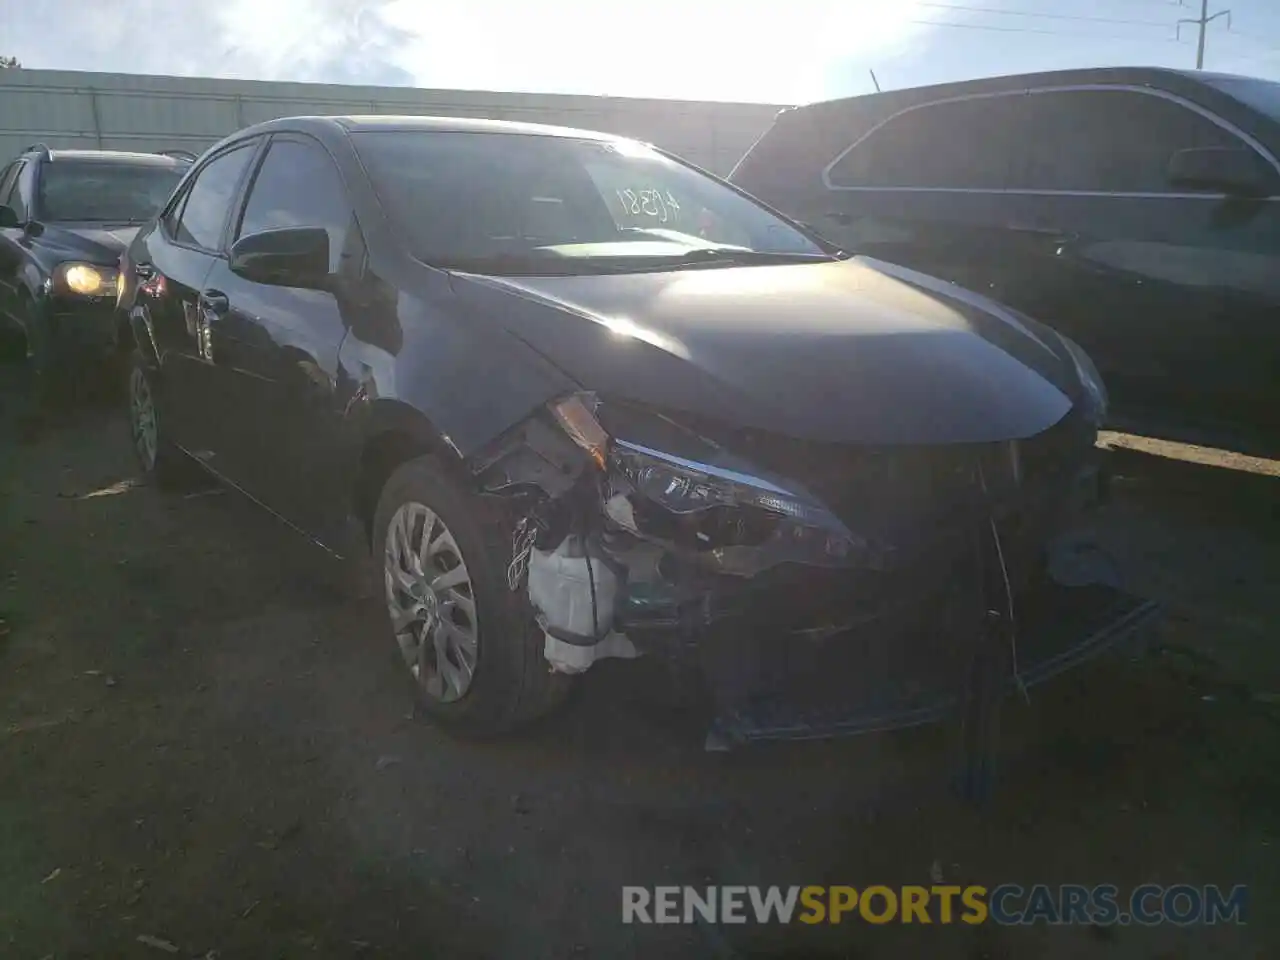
x=385, y=417
x=460, y=372
x=32, y=282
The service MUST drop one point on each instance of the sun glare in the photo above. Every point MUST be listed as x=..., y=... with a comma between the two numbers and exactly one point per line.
x=780, y=53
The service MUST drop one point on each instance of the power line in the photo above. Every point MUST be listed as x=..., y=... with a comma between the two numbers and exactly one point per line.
x=1051, y=33
x=1044, y=16
x=1250, y=38
x=1270, y=51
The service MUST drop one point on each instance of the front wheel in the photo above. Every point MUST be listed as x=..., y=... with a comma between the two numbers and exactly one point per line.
x=52, y=376
x=470, y=644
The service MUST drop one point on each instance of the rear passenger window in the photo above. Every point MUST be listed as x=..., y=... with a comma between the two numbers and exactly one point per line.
x=1108, y=141
x=953, y=144
x=209, y=199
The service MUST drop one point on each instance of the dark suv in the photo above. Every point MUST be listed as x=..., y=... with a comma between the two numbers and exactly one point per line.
x=586, y=401
x=1135, y=210
x=65, y=218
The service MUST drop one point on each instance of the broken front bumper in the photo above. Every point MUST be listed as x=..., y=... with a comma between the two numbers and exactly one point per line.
x=802, y=653
x=850, y=683
x=949, y=588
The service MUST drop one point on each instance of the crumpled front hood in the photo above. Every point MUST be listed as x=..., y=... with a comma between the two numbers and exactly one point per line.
x=96, y=242
x=846, y=352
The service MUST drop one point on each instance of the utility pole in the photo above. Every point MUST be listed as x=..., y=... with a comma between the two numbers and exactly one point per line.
x=1203, y=23
x=875, y=81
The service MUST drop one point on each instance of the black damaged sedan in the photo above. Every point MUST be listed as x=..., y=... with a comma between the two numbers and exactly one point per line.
x=580, y=400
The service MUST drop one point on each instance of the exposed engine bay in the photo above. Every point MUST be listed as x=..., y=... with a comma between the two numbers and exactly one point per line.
x=855, y=584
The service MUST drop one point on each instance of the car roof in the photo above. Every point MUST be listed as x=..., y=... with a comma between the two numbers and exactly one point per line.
x=114, y=156
x=361, y=124
x=1152, y=76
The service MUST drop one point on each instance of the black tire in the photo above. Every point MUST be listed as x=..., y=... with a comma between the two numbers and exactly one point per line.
x=13, y=347
x=167, y=467
x=52, y=380
x=512, y=684
x=113, y=377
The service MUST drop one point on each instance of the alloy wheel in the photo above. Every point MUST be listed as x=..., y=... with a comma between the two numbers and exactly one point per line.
x=431, y=602
x=142, y=418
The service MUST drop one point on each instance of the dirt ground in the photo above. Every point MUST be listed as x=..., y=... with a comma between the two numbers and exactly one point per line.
x=202, y=747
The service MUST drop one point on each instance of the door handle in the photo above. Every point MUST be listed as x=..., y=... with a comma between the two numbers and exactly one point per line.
x=216, y=301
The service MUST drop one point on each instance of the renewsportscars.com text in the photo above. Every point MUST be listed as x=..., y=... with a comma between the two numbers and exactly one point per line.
x=1007, y=904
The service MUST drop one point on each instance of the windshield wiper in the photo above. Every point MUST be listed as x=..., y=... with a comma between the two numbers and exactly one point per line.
x=528, y=265
x=518, y=264
x=127, y=220
x=735, y=256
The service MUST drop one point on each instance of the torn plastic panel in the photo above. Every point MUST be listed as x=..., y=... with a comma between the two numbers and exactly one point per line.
x=536, y=456
x=635, y=529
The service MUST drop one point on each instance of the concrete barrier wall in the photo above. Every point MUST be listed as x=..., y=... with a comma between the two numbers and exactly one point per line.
x=132, y=112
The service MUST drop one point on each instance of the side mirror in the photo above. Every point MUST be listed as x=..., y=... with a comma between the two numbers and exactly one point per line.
x=1233, y=170
x=292, y=257
x=8, y=217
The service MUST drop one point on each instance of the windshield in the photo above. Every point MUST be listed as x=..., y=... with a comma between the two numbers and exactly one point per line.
x=1262, y=95
x=513, y=203
x=104, y=191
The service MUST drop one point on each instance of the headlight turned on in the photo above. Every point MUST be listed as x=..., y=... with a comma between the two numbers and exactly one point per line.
x=87, y=279
x=738, y=521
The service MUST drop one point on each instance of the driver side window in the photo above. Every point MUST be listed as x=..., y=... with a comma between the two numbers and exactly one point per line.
x=1108, y=141
x=298, y=185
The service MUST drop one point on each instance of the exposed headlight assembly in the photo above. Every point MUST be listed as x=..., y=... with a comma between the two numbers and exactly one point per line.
x=737, y=519
x=87, y=279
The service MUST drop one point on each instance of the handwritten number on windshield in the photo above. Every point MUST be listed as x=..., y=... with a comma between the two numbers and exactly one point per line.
x=649, y=202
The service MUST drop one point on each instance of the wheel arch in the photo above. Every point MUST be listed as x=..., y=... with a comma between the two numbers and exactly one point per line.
x=395, y=433
x=25, y=295
x=133, y=329
x=31, y=281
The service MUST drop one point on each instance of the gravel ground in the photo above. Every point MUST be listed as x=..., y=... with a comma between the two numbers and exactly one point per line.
x=204, y=752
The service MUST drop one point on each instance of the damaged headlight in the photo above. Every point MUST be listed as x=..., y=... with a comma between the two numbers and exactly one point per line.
x=1095, y=390
x=736, y=519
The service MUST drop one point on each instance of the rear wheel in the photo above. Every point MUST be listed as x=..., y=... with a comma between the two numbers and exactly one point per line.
x=163, y=463
x=469, y=643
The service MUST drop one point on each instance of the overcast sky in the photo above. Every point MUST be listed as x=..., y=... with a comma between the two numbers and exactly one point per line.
x=782, y=51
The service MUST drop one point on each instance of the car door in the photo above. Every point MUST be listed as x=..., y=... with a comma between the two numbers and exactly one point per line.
x=925, y=188
x=175, y=256
x=276, y=347
x=1172, y=291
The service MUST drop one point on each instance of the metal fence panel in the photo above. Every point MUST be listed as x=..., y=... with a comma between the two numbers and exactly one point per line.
x=136, y=112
